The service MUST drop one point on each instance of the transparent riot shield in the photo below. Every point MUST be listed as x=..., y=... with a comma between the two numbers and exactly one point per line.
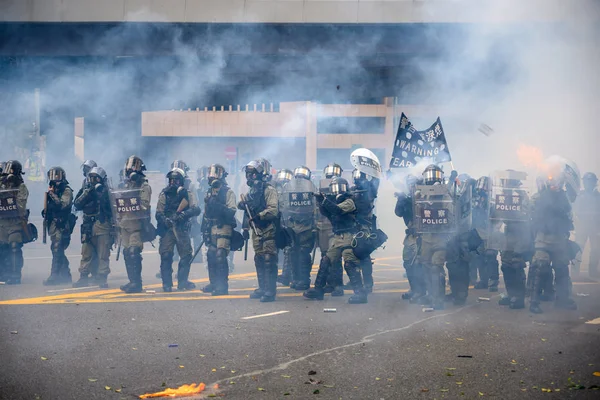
x=297, y=199
x=508, y=202
x=434, y=210
x=8, y=204
x=127, y=205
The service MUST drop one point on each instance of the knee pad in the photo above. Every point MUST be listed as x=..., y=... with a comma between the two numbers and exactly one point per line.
x=221, y=255
x=135, y=253
x=258, y=258
x=166, y=257
x=270, y=259
x=211, y=254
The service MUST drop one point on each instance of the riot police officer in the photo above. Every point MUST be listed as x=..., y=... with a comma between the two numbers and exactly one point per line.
x=282, y=177
x=411, y=244
x=298, y=212
x=86, y=167
x=587, y=213
x=96, y=228
x=432, y=254
x=335, y=278
x=517, y=241
x=364, y=193
x=552, y=223
x=59, y=221
x=262, y=218
x=176, y=206
x=131, y=221
x=13, y=219
x=339, y=207
x=217, y=226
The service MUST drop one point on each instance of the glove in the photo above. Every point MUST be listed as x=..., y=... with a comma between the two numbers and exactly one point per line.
x=246, y=234
x=177, y=218
x=319, y=196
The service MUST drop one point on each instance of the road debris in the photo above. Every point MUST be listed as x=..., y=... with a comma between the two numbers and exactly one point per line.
x=330, y=310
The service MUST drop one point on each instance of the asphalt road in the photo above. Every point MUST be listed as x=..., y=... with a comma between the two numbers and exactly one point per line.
x=87, y=344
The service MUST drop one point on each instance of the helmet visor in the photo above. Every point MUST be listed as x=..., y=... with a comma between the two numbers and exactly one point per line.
x=433, y=175
x=215, y=172
x=302, y=172
x=338, y=188
x=134, y=164
x=332, y=170
x=56, y=174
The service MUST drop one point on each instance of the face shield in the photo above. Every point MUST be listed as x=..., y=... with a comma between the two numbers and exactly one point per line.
x=56, y=175
x=284, y=176
x=180, y=164
x=338, y=187
x=302, y=172
x=176, y=178
x=432, y=176
x=134, y=164
x=332, y=170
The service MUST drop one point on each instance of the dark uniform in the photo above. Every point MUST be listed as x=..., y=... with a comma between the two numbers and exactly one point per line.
x=587, y=227
x=58, y=217
x=218, y=224
x=13, y=217
x=411, y=244
x=485, y=261
x=338, y=206
x=298, y=215
x=263, y=204
x=131, y=228
x=201, y=190
x=432, y=253
x=552, y=223
x=176, y=206
x=285, y=279
x=96, y=229
x=364, y=193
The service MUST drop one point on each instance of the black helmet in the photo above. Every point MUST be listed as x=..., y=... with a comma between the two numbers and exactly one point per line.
x=283, y=176
x=338, y=185
x=590, y=176
x=332, y=170
x=302, y=172
x=13, y=167
x=433, y=174
x=181, y=165
x=57, y=174
x=176, y=177
x=87, y=166
x=97, y=175
x=134, y=164
x=216, y=171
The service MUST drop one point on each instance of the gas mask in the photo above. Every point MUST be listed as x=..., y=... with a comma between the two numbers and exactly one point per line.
x=135, y=177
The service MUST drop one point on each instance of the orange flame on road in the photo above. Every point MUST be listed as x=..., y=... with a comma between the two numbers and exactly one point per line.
x=183, y=390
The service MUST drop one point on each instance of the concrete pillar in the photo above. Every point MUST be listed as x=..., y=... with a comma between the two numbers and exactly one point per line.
x=311, y=136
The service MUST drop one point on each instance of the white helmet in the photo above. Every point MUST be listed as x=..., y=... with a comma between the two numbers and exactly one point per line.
x=365, y=161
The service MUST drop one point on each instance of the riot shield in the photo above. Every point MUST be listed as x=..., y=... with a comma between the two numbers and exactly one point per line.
x=434, y=210
x=8, y=204
x=508, y=202
x=465, y=209
x=366, y=162
x=127, y=205
x=297, y=200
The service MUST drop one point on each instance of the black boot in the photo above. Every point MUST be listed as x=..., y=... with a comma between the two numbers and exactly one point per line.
x=166, y=271
x=129, y=269
x=286, y=271
x=65, y=271
x=259, y=263
x=136, y=268
x=102, y=281
x=354, y=273
x=54, y=278
x=517, y=303
x=366, y=266
x=504, y=300
x=222, y=286
x=411, y=282
x=211, y=260
x=318, y=291
x=534, y=307
x=17, y=264
x=270, y=279
x=183, y=273
x=82, y=282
